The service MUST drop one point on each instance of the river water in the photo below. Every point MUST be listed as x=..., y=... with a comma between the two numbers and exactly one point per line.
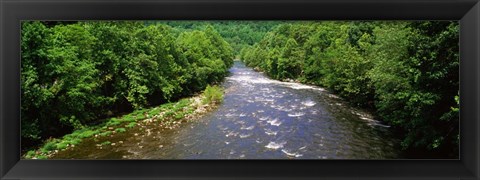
x=261, y=118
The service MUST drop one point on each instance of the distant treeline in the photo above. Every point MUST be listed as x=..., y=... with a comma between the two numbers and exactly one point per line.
x=408, y=72
x=75, y=73
x=238, y=34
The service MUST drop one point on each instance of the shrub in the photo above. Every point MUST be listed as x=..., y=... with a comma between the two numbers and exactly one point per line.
x=213, y=94
x=30, y=154
x=62, y=145
x=50, y=145
x=120, y=130
x=130, y=125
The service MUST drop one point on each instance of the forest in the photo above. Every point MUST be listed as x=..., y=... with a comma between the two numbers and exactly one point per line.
x=77, y=74
x=407, y=72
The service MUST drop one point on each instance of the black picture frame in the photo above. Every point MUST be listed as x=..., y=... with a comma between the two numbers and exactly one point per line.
x=13, y=11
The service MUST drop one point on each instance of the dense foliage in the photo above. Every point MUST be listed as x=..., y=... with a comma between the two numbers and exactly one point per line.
x=406, y=71
x=168, y=115
x=76, y=73
x=213, y=94
x=238, y=34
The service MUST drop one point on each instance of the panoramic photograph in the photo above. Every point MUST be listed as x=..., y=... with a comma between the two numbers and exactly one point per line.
x=162, y=90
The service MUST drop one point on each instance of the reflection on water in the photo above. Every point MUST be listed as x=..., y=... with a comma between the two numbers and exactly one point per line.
x=261, y=118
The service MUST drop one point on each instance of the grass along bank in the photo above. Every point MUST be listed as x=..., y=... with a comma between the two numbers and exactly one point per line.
x=170, y=115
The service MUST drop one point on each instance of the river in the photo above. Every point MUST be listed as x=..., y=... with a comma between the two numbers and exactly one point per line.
x=261, y=118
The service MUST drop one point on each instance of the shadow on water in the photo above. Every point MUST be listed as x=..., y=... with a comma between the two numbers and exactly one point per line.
x=260, y=118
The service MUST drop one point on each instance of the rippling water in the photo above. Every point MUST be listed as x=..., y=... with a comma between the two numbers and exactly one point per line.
x=262, y=118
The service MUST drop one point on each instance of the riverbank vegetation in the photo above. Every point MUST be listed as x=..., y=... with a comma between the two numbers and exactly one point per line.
x=408, y=72
x=74, y=75
x=79, y=77
x=168, y=115
x=213, y=94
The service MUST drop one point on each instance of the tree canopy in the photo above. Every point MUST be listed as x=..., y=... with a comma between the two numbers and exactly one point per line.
x=76, y=73
x=406, y=71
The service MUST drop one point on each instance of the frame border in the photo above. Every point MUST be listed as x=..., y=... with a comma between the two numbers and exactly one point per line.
x=13, y=11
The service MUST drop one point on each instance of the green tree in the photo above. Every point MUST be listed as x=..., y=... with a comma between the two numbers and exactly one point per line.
x=75, y=73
